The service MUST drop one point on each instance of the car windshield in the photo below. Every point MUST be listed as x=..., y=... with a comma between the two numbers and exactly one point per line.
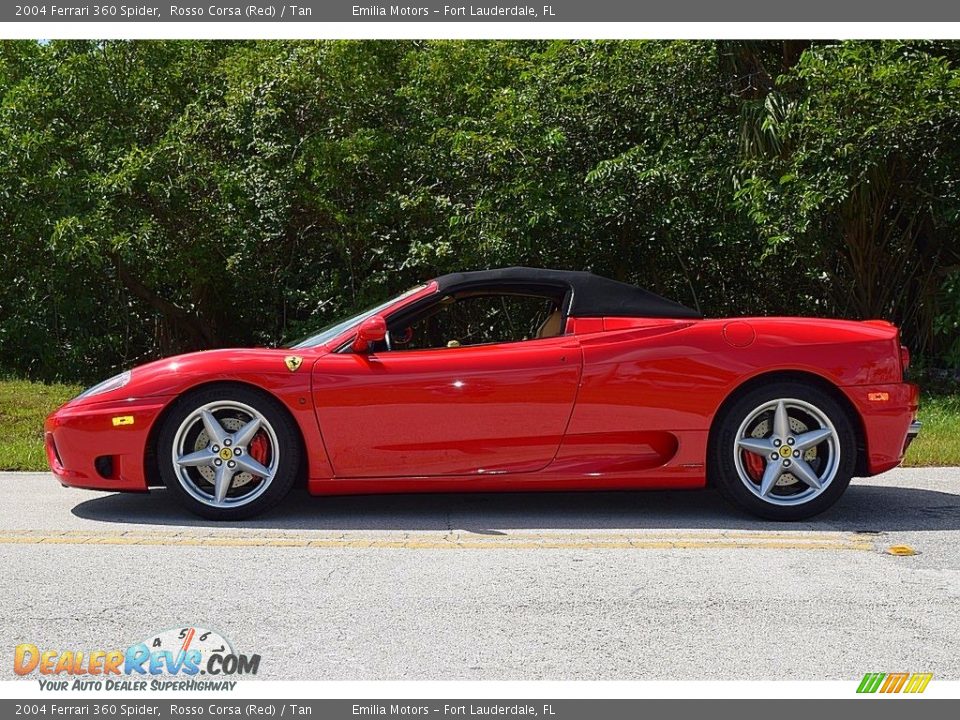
x=331, y=331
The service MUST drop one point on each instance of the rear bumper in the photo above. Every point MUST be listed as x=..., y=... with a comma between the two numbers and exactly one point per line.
x=912, y=433
x=101, y=446
x=889, y=415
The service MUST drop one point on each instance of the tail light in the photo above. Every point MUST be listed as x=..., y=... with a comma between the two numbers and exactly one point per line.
x=904, y=358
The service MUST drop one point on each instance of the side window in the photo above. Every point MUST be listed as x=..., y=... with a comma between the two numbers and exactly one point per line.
x=479, y=320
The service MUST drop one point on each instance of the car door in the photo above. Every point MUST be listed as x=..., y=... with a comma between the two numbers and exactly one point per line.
x=493, y=408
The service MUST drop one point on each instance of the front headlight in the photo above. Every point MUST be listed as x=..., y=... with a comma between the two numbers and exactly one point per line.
x=114, y=383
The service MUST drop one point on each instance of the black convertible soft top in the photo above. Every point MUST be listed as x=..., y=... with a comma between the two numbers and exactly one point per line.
x=586, y=294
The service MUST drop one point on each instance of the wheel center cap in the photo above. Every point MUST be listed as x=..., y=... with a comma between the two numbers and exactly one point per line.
x=785, y=451
x=226, y=454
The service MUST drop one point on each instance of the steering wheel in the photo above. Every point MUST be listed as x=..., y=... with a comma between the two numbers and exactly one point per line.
x=403, y=337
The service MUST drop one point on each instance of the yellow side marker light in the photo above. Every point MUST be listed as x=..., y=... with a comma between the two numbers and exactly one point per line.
x=123, y=420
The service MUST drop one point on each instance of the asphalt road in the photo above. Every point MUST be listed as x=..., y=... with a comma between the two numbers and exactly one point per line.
x=569, y=586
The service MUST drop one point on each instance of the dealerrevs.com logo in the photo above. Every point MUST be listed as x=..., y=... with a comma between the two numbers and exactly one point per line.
x=189, y=658
x=887, y=683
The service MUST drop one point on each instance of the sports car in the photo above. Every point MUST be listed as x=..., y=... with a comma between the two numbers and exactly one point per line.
x=515, y=379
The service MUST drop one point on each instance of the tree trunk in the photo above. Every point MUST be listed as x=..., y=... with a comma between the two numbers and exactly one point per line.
x=198, y=334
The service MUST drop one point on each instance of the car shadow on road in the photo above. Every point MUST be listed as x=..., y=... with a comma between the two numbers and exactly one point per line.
x=863, y=508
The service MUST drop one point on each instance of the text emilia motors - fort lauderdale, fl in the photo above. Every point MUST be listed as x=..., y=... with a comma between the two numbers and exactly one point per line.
x=452, y=11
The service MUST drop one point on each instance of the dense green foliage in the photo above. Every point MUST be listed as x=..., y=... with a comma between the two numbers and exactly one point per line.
x=162, y=196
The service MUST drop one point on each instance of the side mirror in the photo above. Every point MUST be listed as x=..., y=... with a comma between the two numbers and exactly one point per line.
x=371, y=330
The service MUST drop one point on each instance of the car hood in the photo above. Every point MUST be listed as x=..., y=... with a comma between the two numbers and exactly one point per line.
x=172, y=375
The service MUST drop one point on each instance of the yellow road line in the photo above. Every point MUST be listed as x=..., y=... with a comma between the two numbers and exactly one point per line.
x=451, y=540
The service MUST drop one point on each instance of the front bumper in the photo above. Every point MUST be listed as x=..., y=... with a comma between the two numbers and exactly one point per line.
x=101, y=445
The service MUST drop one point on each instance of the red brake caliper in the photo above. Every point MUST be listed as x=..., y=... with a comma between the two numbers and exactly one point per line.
x=259, y=448
x=755, y=465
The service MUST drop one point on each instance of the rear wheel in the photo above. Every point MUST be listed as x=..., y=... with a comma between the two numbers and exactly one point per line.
x=785, y=451
x=228, y=452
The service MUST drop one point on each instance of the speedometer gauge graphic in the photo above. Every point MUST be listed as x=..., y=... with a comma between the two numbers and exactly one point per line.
x=184, y=639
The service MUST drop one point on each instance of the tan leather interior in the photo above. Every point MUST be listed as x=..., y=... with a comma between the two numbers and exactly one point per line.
x=552, y=326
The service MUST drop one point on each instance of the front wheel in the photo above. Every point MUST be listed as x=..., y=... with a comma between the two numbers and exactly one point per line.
x=228, y=452
x=785, y=451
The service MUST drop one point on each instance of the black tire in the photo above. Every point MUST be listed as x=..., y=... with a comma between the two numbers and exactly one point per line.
x=283, y=427
x=722, y=465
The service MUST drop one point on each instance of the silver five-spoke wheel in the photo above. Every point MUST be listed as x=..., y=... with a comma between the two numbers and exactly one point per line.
x=784, y=449
x=225, y=454
x=786, y=452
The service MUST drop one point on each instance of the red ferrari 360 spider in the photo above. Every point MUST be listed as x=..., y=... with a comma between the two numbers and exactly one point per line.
x=515, y=379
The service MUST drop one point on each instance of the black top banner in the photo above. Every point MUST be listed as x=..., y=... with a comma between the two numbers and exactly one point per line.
x=428, y=11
